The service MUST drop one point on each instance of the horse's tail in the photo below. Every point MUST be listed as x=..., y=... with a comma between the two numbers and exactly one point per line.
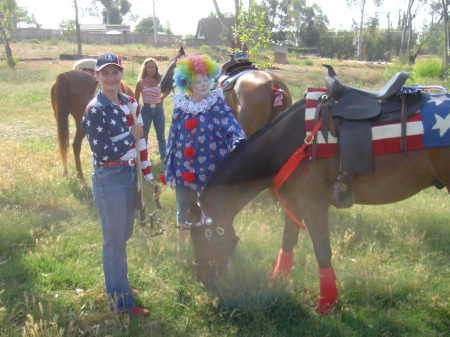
x=59, y=94
x=282, y=98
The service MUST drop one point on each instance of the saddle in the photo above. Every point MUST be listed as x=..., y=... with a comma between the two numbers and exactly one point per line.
x=349, y=113
x=232, y=73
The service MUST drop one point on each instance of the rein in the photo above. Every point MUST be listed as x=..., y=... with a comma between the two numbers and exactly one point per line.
x=286, y=170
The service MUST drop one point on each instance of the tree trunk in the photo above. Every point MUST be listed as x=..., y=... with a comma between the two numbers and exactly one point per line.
x=234, y=43
x=363, y=4
x=446, y=37
x=8, y=51
x=403, y=42
x=410, y=30
x=78, y=29
x=413, y=55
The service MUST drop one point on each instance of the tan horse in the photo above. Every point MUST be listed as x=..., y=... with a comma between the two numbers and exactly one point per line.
x=70, y=94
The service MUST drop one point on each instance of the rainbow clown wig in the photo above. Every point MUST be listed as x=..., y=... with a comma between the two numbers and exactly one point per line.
x=191, y=65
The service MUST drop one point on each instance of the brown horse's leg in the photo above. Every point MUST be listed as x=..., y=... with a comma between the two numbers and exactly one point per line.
x=316, y=220
x=79, y=136
x=286, y=255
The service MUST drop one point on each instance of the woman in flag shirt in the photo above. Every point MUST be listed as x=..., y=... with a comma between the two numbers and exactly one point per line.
x=113, y=137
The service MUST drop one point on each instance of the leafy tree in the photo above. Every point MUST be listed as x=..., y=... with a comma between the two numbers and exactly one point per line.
x=167, y=30
x=146, y=26
x=115, y=10
x=361, y=4
x=30, y=20
x=252, y=33
x=7, y=9
x=68, y=27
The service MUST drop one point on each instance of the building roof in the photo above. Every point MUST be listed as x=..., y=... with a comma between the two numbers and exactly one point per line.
x=210, y=30
x=105, y=28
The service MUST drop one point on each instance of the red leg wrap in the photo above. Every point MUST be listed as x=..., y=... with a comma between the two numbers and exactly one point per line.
x=328, y=290
x=284, y=264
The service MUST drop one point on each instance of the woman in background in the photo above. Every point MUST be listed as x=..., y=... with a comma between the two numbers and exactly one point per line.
x=152, y=109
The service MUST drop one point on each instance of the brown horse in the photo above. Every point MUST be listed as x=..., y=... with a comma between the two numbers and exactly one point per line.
x=251, y=99
x=253, y=164
x=70, y=93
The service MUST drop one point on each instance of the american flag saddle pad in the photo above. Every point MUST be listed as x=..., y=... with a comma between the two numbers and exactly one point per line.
x=429, y=127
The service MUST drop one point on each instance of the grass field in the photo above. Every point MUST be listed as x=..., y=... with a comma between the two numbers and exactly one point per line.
x=392, y=261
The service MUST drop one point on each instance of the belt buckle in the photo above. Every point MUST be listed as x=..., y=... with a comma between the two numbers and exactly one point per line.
x=153, y=105
x=131, y=162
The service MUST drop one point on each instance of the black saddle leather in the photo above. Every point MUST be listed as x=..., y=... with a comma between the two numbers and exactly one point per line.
x=359, y=104
x=352, y=112
x=338, y=90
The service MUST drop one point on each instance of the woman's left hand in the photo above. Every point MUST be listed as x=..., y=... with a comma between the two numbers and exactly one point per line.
x=156, y=188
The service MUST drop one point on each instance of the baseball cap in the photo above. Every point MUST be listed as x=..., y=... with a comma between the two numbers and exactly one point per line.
x=107, y=58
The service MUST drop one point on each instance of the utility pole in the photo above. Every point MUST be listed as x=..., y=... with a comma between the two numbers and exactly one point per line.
x=155, y=31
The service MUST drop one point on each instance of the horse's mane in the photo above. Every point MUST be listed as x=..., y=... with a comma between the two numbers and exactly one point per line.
x=264, y=152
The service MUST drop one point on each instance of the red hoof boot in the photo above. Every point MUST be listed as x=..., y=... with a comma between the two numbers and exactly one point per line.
x=136, y=311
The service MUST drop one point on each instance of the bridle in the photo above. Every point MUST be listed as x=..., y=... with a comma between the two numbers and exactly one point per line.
x=210, y=230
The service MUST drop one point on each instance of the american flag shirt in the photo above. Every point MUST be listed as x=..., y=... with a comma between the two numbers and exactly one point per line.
x=107, y=127
x=201, y=135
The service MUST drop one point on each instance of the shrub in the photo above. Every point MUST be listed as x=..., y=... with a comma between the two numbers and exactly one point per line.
x=205, y=48
x=428, y=68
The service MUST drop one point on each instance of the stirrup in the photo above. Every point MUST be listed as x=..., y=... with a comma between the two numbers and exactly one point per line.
x=342, y=192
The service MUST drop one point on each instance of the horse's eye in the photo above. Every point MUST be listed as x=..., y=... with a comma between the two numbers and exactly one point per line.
x=209, y=221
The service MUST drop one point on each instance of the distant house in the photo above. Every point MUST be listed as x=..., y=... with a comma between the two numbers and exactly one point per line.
x=211, y=33
x=105, y=29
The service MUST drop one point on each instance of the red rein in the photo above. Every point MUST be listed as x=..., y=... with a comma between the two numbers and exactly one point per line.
x=289, y=167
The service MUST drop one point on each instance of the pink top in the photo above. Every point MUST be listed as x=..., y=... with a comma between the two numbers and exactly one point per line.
x=151, y=95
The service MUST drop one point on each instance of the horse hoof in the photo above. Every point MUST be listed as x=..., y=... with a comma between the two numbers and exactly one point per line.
x=324, y=308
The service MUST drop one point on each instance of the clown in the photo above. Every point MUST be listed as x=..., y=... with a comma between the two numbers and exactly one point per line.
x=202, y=133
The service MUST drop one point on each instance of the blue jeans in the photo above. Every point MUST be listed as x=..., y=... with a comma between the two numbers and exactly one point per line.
x=159, y=120
x=113, y=188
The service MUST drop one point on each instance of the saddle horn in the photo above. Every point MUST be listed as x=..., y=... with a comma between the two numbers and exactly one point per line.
x=334, y=85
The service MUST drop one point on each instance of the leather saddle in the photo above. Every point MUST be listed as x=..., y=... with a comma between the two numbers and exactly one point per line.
x=232, y=73
x=348, y=113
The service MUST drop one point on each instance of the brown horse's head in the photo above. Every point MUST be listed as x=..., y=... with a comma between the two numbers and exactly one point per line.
x=214, y=243
x=166, y=83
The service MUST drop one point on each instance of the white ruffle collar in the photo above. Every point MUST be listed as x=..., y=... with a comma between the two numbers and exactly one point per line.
x=188, y=106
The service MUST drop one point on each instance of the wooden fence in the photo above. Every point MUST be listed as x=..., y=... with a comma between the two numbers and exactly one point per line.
x=93, y=38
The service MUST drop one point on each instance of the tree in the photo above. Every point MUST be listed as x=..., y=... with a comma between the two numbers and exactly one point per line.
x=7, y=9
x=252, y=34
x=234, y=44
x=361, y=4
x=440, y=8
x=78, y=29
x=115, y=10
x=146, y=26
x=446, y=35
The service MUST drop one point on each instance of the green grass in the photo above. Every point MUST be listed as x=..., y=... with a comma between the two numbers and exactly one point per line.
x=392, y=261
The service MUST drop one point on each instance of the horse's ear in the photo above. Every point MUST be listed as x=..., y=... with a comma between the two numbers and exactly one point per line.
x=181, y=51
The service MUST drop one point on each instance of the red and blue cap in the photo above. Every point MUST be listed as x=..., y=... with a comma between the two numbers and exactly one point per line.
x=106, y=59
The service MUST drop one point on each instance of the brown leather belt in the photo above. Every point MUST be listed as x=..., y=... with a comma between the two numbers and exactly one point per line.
x=130, y=162
x=152, y=105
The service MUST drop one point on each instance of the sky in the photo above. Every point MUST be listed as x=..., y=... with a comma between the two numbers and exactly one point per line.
x=183, y=15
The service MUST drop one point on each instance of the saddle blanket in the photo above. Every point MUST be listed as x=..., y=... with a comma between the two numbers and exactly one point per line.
x=429, y=127
x=228, y=83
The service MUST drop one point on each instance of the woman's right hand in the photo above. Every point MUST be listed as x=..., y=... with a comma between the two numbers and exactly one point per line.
x=137, y=131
